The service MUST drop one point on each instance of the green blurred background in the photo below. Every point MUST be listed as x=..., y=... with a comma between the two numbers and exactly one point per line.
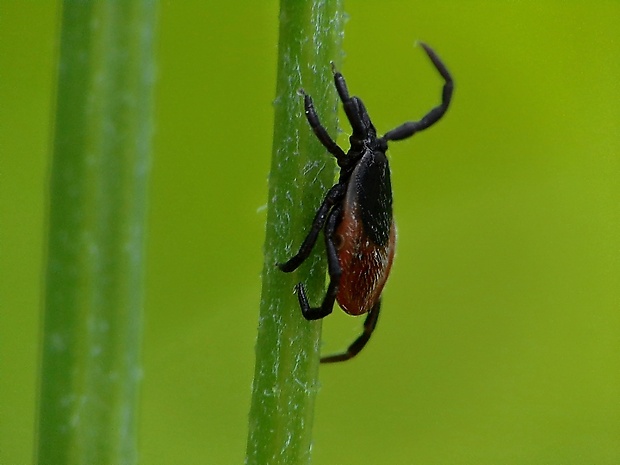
x=500, y=337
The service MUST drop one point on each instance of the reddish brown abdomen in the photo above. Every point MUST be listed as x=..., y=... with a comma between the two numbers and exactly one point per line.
x=365, y=265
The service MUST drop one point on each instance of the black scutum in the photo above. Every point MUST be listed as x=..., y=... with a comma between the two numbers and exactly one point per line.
x=374, y=190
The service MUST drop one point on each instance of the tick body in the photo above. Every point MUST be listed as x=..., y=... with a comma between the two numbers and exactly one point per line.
x=356, y=214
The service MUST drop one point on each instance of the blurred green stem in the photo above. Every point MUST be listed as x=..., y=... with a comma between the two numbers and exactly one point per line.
x=287, y=350
x=98, y=195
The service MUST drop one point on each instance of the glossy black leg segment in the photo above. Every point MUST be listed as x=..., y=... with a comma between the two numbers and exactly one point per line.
x=369, y=326
x=410, y=128
x=350, y=105
x=319, y=130
x=334, y=195
x=315, y=313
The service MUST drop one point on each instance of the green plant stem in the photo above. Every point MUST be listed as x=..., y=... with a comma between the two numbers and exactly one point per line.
x=287, y=350
x=90, y=367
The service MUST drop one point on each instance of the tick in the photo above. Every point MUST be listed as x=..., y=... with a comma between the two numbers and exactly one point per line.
x=356, y=214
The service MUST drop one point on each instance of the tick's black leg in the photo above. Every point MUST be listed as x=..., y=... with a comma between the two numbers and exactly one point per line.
x=334, y=195
x=351, y=105
x=334, y=269
x=410, y=128
x=317, y=127
x=369, y=326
